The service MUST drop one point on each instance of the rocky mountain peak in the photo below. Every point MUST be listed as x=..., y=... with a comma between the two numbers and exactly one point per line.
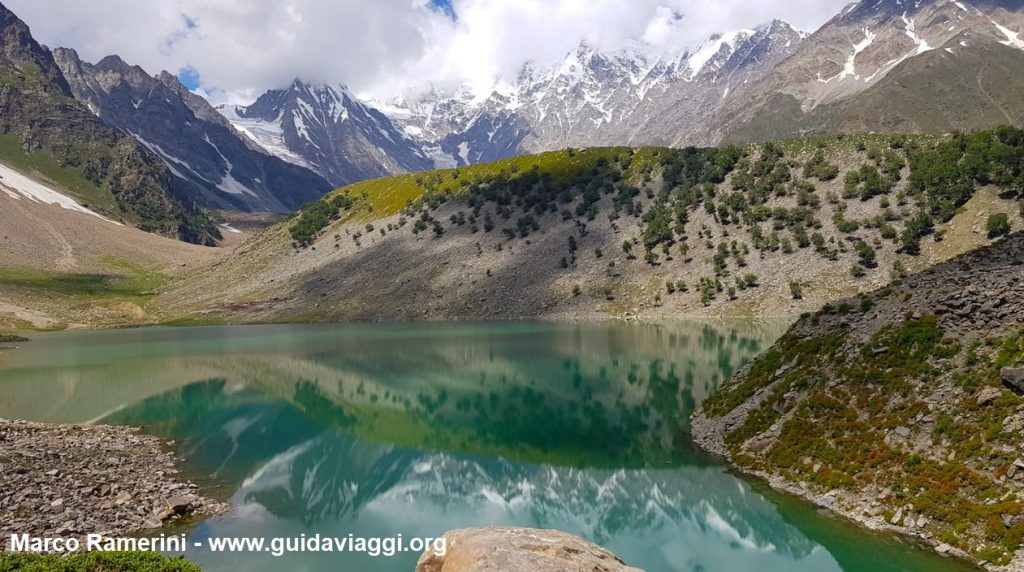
x=19, y=50
x=114, y=63
x=326, y=128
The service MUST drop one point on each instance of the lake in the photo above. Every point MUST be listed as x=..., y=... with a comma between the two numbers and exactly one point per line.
x=416, y=429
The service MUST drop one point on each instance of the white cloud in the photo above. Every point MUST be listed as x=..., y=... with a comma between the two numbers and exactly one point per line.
x=243, y=47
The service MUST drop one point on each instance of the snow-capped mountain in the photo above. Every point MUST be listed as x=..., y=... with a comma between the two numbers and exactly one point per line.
x=748, y=84
x=865, y=45
x=327, y=129
x=212, y=162
x=593, y=97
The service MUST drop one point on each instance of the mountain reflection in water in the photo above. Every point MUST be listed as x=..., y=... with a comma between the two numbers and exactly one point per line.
x=417, y=429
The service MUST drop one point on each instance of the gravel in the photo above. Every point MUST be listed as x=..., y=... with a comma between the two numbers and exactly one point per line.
x=73, y=480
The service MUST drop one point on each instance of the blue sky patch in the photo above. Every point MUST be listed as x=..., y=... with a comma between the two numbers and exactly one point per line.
x=189, y=77
x=445, y=7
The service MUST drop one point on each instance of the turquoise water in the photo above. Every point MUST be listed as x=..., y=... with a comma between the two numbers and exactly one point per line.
x=378, y=430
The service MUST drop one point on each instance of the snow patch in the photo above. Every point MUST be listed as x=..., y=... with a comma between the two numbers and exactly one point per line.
x=228, y=183
x=441, y=159
x=16, y=186
x=267, y=135
x=710, y=49
x=171, y=161
x=911, y=32
x=850, y=68
x=1012, y=38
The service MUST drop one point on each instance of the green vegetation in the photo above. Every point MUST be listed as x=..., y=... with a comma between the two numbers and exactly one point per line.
x=840, y=405
x=998, y=225
x=135, y=284
x=727, y=209
x=796, y=290
x=818, y=167
x=315, y=216
x=943, y=176
x=95, y=562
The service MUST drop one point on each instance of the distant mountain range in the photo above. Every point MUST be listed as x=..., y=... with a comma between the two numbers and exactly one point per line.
x=877, y=66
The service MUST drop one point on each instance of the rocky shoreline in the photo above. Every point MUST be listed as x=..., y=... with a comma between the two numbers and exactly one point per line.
x=71, y=480
x=953, y=407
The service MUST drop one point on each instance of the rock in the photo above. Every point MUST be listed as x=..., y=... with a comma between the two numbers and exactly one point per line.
x=69, y=480
x=1014, y=423
x=179, y=504
x=151, y=523
x=988, y=395
x=903, y=432
x=898, y=517
x=943, y=548
x=519, y=550
x=1013, y=377
x=1011, y=520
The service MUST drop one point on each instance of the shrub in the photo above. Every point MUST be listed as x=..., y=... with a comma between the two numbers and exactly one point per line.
x=866, y=253
x=998, y=225
x=796, y=290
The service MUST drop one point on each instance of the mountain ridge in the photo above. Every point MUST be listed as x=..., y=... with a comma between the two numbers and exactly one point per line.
x=45, y=131
x=209, y=159
x=744, y=85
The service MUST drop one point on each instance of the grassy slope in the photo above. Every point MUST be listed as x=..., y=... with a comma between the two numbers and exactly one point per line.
x=390, y=195
x=117, y=297
x=68, y=179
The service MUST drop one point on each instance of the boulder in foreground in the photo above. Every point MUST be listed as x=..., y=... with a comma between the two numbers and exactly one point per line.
x=519, y=550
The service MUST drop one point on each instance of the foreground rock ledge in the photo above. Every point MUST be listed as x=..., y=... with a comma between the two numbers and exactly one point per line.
x=519, y=550
x=73, y=480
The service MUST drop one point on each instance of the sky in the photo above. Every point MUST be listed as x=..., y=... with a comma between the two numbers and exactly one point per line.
x=234, y=50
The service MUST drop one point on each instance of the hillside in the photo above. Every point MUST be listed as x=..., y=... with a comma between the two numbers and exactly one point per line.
x=45, y=132
x=953, y=88
x=901, y=409
x=65, y=265
x=776, y=229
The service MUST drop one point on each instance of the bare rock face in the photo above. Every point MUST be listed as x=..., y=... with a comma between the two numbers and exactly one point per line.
x=519, y=550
